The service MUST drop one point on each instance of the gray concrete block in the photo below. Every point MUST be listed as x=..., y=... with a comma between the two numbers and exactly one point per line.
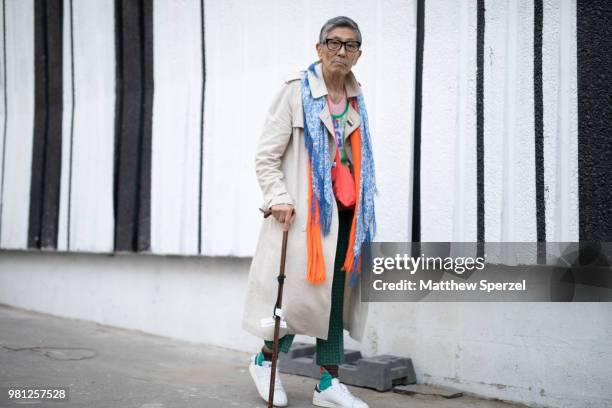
x=379, y=372
x=350, y=356
x=299, y=366
x=299, y=360
x=300, y=350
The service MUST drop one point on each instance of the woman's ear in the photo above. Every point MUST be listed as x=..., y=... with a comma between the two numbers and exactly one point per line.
x=357, y=58
x=318, y=48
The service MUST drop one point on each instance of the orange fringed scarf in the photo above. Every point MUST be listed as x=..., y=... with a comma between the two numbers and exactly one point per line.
x=316, y=262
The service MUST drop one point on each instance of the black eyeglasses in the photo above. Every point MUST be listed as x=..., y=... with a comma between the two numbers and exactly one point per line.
x=335, y=45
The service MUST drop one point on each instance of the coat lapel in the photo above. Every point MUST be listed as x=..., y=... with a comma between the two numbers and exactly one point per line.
x=327, y=119
x=353, y=121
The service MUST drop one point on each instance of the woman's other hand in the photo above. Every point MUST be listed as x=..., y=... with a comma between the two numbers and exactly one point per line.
x=284, y=213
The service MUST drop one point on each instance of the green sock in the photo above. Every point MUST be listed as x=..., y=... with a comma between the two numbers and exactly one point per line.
x=325, y=380
x=259, y=359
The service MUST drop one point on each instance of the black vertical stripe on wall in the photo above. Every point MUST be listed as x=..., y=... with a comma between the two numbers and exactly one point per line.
x=594, y=49
x=538, y=96
x=480, y=203
x=70, y=168
x=4, y=97
x=144, y=196
x=47, y=141
x=201, y=179
x=118, y=109
x=133, y=121
x=40, y=124
x=418, y=99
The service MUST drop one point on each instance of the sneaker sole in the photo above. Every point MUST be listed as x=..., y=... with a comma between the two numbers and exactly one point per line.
x=263, y=394
x=321, y=403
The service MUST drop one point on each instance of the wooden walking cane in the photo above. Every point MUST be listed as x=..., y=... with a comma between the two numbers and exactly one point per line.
x=277, y=318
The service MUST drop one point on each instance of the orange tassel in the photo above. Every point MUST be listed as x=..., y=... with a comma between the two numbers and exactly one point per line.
x=316, y=263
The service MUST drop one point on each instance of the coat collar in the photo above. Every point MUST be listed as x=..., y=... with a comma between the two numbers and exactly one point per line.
x=318, y=89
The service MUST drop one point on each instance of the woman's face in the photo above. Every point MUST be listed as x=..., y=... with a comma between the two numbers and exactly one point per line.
x=341, y=60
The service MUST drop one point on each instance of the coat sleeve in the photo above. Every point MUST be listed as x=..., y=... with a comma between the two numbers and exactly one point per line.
x=271, y=147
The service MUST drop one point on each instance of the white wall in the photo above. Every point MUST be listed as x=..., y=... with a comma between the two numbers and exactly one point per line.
x=449, y=132
x=556, y=355
x=86, y=219
x=541, y=354
x=247, y=64
x=197, y=299
x=19, y=118
x=250, y=48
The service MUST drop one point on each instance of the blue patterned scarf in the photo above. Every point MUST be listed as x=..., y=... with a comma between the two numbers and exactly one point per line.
x=317, y=143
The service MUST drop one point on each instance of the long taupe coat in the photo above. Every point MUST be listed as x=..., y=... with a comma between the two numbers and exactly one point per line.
x=281, y=163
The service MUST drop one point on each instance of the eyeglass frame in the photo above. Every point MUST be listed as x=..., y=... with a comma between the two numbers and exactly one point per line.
x=342, y=44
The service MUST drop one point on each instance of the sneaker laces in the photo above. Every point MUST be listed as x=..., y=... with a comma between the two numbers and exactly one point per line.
x=277, y=380
x=344, y=389
x=341, y=386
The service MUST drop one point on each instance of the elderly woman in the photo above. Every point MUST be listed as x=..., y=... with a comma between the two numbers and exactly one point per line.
x=314, y=165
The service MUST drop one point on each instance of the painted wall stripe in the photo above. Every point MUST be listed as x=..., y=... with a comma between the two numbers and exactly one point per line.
x=594, y=39
x=4, y=112
x=46, y=163
x=418, y=96
x=71, y=150
x=480, y=37
x=538, y=21
x=538, y=106
x=53, y=137
x=145, y=147
x=134, y=51
x=201, y=183
x=40, y=119
x=63, y=237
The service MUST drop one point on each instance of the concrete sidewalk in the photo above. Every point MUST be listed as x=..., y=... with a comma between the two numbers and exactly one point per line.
x=110, y=367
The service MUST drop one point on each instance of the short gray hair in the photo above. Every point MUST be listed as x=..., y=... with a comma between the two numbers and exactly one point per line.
x=340, y=21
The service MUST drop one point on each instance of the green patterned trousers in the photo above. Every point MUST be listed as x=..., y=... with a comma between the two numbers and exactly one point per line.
x=330, y=351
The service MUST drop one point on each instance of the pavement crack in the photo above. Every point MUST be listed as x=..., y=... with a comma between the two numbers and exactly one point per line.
x=58, y=353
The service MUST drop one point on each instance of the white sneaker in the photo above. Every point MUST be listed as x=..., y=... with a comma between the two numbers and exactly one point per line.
x=336, y=395
x=261, y=376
